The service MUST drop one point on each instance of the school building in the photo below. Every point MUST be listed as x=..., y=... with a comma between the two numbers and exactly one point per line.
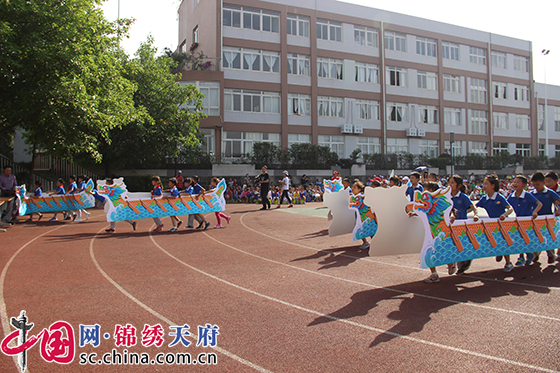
x=349, y=76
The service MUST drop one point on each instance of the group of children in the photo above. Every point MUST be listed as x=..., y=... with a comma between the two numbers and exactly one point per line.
x=542, y=200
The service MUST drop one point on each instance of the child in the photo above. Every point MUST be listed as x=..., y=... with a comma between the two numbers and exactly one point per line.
x=548, y=198
x=174, y=191
x=157, y=193
x=213, y=185
x=497, y=207
x=524, y=204
x=82, y=188
x=358, y=189
x=394, y=182
x=551, y=182
x=105, y=199
x=461, y=206
x=72, y=188
x=189, y=191
x=285, y=190
x=414, y=185
x=59, y=191
x=197, y=189
x=38, y=193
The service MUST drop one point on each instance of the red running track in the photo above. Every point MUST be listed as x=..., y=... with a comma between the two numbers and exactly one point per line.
x=286, y=297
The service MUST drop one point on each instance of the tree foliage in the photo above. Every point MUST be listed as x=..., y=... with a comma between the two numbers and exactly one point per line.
x=164, y=127
x=60, y=76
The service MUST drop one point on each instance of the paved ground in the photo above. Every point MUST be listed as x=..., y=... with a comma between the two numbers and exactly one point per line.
x=286, y=298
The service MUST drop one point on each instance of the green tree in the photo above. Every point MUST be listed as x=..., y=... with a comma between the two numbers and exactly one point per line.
x=165, y=127
x=60, y=77
x=264, y=153
x=311, y=156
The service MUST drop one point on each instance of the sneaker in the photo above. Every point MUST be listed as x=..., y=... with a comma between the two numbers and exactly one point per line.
x=434, y=277
x=217, y=226
x=53, y=219
x=364, y=246
x=529, y=260
x=74, y=217
x=264, y=208
x=290, y=206
x=508, y=267
x=87, y=215
x=499, y=258
x=451, y=268
x=79, y=220
x=228, y=218
x=158, y=228
x=40, y=217
x=179, y=223
x=206, y=225
x=134, y=224
x=520, y=261
x=67, y=217
x=536, y=258
x=189, y=227
x=552, y=259
x=200, y=225
x=110, y=230
x=30, y=219
x=173, y=230
x=463, y=266
x=278, y=206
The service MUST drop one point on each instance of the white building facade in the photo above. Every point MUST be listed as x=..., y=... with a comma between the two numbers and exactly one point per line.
x=349, y=77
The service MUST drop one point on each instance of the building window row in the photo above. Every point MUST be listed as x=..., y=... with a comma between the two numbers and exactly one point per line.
x=330, y=106
x=427, y=80
x=253, y=19
x=251, y=101
x=237, y=144
x=452, y=116
x=521, y=93
x=329, y=68
x=450, y=51
x=451, y=83
x=299, y=104
x=478, y=91
x=368, y=110
x=365, y=36
x=298, y=64
x=397, y=112
x=395, y=41
x=328, y=30
x=426, y=47
x=479, y=122
x=428, y=114
x=297, y=25
x=249, y=59
x=367, y=73
x=336, y=143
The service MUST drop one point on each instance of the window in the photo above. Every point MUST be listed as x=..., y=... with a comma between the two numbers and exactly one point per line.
x=369, y=145
x=557, y=118
x=208, y=143
x=298, y=139
x=298, y=64
x=368, y=110
x=479, y=122
x=540, y=117
x=457, y=147
x=367, y=73
x=427, y=80
x=478, y=91
x=336, y=143
x=500, y=120
x=328, y=30
x=500, y=90
x=249, y=59
x=428, y=114
x=426, y=47
x=211, y=99
x=557, y=151
x=395, y=146
x=239, y=144
x=450, y=51
x=499, y=60
x=251, y=101
x=396, y=76
x=397, y=112
x=252, y=19
x=299, y=104
x=522, y=122
x=523, y=149
x=298, y=25
x=477, y=55
x=365, y=36
x=521, y=63
x=330, y=106
x=231, y=16
x=429, y=147
x=542, y=149
x=329, y=68
x=500, y=147
x=520, y=93
x=451, y=83
x=452, y=116
x=395, y=42
x=477, y=147
x=195, y=34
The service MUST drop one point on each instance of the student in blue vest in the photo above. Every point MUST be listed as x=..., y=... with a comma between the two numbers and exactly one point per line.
x=462, y=204
x=548, y=198
x=82, y=188
x=524, y=204
x=157, y=192
x=72, y=189
x=551, y=182
x=414, y=185
x=59, y=191
x=174, y=192
x=38, y=193
x=497, y=207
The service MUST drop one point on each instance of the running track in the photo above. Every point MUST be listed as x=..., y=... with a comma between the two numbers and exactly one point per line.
x=286, y=297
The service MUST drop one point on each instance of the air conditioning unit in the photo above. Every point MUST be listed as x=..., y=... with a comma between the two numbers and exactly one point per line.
x=358, y=128
x=347, y=128
x=411, y=132
x=421, y=132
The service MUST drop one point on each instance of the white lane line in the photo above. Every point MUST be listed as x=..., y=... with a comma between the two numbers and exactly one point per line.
x=386, y=288
x=385, y=263
x=353, y=323
x=160, y=316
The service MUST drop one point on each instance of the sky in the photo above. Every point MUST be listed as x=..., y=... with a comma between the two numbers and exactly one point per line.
x=534, y=21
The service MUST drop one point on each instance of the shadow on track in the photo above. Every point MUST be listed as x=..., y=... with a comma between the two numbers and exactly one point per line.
x=333, y=258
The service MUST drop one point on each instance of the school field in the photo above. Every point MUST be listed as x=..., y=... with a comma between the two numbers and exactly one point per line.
x=285, y=296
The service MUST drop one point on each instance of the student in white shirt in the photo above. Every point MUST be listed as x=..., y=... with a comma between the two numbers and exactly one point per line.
x=285, y=189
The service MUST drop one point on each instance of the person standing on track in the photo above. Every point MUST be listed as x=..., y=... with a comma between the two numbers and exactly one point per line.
x=285, y=189
x=264, y=182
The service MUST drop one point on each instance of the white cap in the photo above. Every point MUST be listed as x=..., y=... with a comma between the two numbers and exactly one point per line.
x=286, y=172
